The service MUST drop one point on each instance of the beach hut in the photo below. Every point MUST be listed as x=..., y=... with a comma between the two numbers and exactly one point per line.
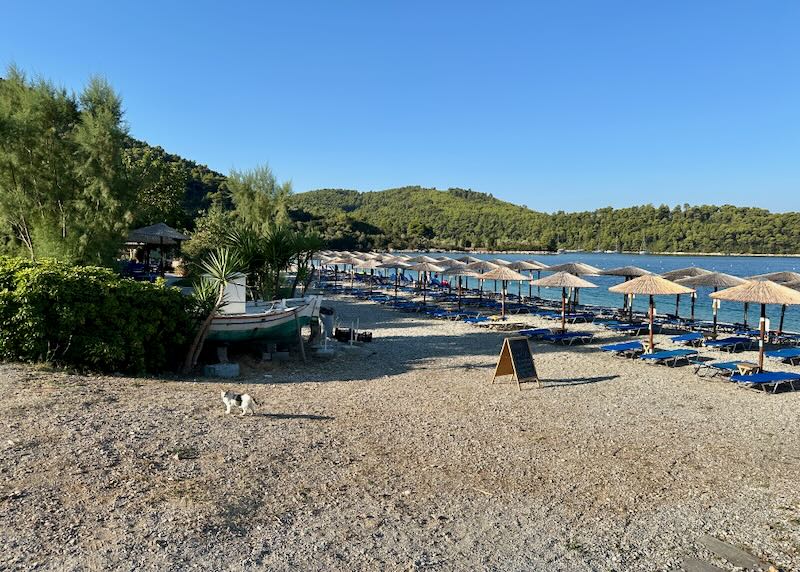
x=651, y=285
x=628, y=273
x=481, y=267
x=563, y=280
x=679, y=274
x=423, y=268
x=715, y=280
x=158, y=236
x=504, y=275
x=760, y=292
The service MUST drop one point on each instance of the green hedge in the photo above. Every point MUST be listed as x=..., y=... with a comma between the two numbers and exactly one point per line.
x=90, y=318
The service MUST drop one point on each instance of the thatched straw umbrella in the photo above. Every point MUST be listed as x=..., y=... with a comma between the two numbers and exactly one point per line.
x=504, y=275
x=423, y=268
x=778, y=277
x=396, y=264
x=563, y=280
x=680, y=273
x=787, y=278
x=760, y=292
x=480, y=267
x=578, y=269
x=530, y=266
x=627, y=272
x=344, y=261
x=424, y=258
x=461, y=272
x=468, y=259
x=370, y=264
x=651, y=285
x=715, y=280
x=448, y=264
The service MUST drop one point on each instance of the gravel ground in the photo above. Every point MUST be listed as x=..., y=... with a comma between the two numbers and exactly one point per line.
x=399, y=455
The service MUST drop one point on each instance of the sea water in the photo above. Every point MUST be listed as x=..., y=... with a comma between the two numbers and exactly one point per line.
x=742, y=266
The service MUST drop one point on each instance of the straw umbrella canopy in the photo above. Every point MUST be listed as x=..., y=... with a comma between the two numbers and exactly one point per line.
x=460, y=271
x=680, y=273
x=396, y=264
x=369, y=264
x=715, y=280
x=651, y=285
x=468, y=259
x=627, y=272
x=344, y=260
x=422, y=269
x=530, y=266
x=424, y=258
x=760, y=292
x=481, y=267
x=576, y=268
x=504, y=275
x=563, y=280
x=778, y=277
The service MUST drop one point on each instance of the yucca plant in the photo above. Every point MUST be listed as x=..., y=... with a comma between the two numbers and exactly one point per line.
x=216, y=272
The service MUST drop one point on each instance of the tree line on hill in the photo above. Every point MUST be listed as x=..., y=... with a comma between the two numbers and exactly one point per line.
x=73, y=182
x=423, y=218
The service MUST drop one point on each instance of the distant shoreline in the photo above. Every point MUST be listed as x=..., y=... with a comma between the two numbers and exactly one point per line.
x=629, y=252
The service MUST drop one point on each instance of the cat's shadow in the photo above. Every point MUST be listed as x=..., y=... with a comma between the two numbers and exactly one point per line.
x=305, y=416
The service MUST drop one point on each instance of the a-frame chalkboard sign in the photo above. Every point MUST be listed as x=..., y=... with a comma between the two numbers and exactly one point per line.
x=516, y=359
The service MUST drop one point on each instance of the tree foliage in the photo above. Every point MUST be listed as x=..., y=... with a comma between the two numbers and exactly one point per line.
x=416, y=217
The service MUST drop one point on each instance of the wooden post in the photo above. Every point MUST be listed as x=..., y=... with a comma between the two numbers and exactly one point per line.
x=563, y=309
x=762, y=326
x=300, y=337
x=652, y=315
x=780, y=325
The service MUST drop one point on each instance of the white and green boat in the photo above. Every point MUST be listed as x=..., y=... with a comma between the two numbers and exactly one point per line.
x=265, y=321
x=242, y=320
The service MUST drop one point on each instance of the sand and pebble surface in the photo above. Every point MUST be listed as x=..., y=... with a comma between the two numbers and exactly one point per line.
x=397, y=455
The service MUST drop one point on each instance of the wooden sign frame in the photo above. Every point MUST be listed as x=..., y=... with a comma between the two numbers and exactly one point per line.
x=507, y=364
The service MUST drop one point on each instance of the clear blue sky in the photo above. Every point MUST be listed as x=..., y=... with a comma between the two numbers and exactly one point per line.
x=556, y=105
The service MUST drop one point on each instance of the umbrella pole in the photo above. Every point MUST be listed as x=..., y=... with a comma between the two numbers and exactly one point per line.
x=539, y=288
x=780, y=325
x=714, y=311
x=459, y=293
x=480, y=295
x=530, y=287
x=677, y=305
x=761, y=326
x=563, y=309
x=746, y=307
x=396, y=283
x=424, y=289
x=652, y=313
x=694, y=297
x=503, y=284
x=519, y=290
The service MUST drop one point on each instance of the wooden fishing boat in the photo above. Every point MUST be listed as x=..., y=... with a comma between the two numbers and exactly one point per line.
x=265, y=321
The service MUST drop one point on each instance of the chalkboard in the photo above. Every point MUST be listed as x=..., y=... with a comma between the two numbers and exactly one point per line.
x=516, y=360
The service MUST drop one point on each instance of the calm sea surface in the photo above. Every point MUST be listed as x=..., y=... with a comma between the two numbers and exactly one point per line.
x=742, y=266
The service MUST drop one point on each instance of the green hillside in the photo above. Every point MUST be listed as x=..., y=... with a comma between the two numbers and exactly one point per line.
x=416, y=217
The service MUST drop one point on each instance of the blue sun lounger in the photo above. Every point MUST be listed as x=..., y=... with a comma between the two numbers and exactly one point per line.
x=568, y=338
x=786, y=355
x=624, y=349
x=730, y=344
x=688, y=339
x=714, y=369
x=767, y=379
x=669, y=357
x=634, y=329
x=535, y=333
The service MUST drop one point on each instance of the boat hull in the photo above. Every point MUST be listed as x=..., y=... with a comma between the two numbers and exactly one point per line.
x=272, y=325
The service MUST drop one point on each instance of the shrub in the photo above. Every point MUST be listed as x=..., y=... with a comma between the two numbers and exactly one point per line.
x=90, y=318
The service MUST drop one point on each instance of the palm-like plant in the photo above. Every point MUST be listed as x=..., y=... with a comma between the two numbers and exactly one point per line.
x=217, y=271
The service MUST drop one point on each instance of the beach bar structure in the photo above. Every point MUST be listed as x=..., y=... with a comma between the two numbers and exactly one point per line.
x=156, y=236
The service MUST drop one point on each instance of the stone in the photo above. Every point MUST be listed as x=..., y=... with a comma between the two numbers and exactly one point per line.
x=223, y=370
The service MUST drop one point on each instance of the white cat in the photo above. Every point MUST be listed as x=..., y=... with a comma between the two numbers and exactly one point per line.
x=231, y=399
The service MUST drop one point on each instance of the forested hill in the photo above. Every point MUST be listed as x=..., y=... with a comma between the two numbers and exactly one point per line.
x=416, y=217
